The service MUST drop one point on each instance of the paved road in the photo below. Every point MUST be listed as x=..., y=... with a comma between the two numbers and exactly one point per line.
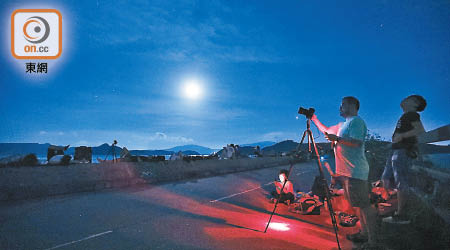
x=223, y=212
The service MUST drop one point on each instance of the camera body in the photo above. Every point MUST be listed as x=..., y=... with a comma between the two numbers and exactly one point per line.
x=306, y=112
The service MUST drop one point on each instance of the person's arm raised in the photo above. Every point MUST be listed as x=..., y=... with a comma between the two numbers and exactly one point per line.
x=324, y=129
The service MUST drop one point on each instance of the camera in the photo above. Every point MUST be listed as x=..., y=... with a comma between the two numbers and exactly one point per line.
x=306, y=112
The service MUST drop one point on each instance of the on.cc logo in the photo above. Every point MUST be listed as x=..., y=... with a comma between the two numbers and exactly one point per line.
x=36, y=34
x=37, y=24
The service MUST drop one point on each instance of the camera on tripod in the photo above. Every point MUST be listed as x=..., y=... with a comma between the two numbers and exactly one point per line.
x=323, y=185
x=306, y=112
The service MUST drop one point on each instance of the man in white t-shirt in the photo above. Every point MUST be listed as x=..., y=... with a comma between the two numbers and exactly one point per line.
x=352, y=168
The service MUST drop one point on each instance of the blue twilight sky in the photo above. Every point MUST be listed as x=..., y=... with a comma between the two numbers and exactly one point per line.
x=124, y=65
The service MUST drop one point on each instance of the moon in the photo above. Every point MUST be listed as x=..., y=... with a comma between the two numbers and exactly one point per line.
x=192, y=89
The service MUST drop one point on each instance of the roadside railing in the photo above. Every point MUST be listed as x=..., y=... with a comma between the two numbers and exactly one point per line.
x=432, y=186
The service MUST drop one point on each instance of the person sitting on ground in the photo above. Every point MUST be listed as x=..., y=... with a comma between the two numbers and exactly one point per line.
x=287, y=194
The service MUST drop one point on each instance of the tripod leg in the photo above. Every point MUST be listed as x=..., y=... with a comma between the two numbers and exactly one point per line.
x=301, y=141
x=279, y=197
x=112, y=152
x=290, y=170
x=106, y=157
x=309, y=141
x=325, y=187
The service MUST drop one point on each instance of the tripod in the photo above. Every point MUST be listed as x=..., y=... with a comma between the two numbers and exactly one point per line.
x=113, y=151
x=309, y=135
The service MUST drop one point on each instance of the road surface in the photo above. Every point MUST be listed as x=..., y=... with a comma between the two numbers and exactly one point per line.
x=222, y=212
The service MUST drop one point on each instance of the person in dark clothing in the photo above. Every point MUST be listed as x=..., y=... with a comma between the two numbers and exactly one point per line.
x=287, y=194
x=258, y=151
x=237, y=151
x=404, y=150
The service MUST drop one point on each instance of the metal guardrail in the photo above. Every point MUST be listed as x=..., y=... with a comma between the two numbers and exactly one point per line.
x=432, y=187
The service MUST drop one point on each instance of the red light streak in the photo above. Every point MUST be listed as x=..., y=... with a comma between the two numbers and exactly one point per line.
x=238, y=222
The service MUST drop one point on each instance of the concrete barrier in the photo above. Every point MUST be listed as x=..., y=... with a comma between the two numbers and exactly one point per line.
x=17, y=183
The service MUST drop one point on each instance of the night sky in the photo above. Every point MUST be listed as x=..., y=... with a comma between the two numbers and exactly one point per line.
x=125, y=65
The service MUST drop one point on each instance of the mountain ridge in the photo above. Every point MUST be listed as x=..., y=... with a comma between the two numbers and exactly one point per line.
x=103, y=149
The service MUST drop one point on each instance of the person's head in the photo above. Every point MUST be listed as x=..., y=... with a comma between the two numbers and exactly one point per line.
x=349, y=106
x=415, y=103
x=283, y=175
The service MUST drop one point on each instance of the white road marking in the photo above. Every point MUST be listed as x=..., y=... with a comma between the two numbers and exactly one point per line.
x=304, y=172
x=76, y=241
x=243, y=192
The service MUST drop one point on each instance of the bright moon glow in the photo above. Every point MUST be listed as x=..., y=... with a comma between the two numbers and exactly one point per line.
x=279, y=226
x=192, y=89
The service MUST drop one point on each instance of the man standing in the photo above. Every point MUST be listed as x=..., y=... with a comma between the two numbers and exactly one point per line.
x=404, y=150
x=351, y=165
